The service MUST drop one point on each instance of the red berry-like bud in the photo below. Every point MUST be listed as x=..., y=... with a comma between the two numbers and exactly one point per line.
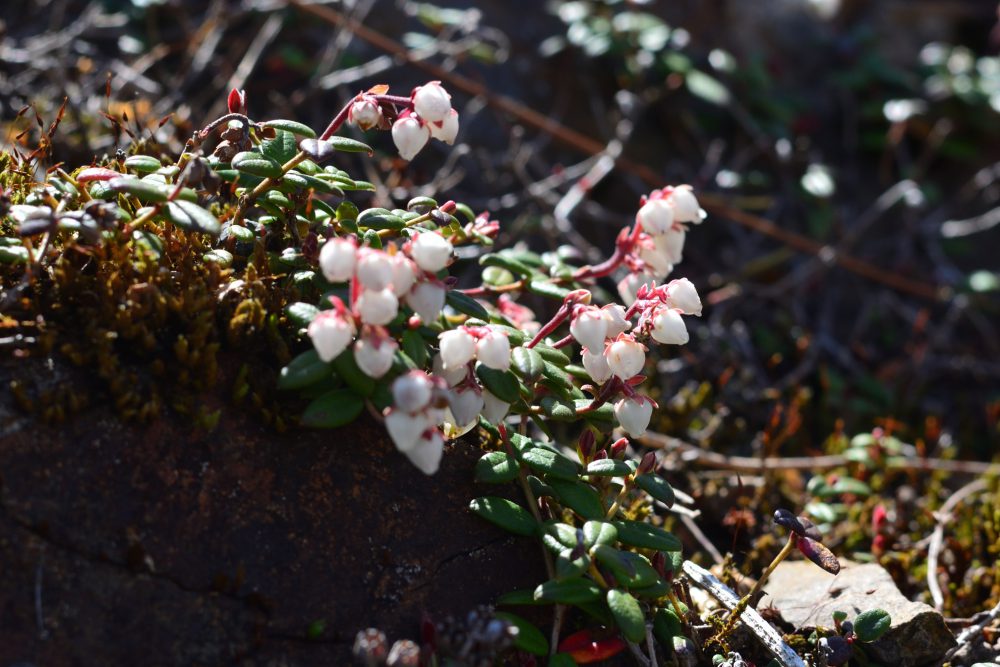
x=237, y=101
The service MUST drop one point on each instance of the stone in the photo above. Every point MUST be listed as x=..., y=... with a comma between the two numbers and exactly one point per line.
x=806, y=597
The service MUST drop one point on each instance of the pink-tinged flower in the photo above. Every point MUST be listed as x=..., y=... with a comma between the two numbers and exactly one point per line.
x=377, y=306
x=410, y=135
x=625, y=356
x=629, y=286
x=431, y=102
x=466, y=403
x=426, y=455
x=493, y=350
x=458, y=347
x=494, y=410
x=656, y=216
x=431, y=251
x=451, y=376
x=682, y=294
x=403, y=274
x=634, y=414
x=597, y=366
x=405, y=428
x=331, y=332
x=445, y=130
x=374, y=268
x=374, y=354
x=685, y=205
x=337, y=259
x=614, y=313
x=668, y=327
x=365, y=112
x=671, y=244
x=657, y=264
x=412, y=392
x=521, y=317
x=589, y=327
x=427, y=300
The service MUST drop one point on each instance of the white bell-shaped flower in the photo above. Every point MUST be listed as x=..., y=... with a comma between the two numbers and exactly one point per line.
x=630, y=284
x=410, y=135
x=337, y=259
x=331, y=333
x=445, y=130
x=426, y=455
x=426, y=298
x=656, y=216
x=403, y=274
x=493, y=350
x=626, y=357
x=405, y=428
x=365, y=113
x=671, y=245
x=597, y=366
x=374, y=268
x=458, y=347
x=668, y=327
x=589, y=327
x=432, y=102
x=685, y=205
x=658, y=264
x=377, y=306
x=466, y=403
x=683, y=294
x=494, y=410
x=431, y=251
x=451, y=376
x=412, y=392
x=614, y=313
x=374, y=355
x=634, y=415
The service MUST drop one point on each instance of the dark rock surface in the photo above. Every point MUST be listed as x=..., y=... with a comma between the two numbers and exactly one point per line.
x=165, y=544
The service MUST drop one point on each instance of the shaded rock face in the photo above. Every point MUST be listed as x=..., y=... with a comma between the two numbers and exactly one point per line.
x=806, y=596
x=166, y=545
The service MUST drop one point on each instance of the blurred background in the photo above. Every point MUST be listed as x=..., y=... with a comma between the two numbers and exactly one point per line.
x=846, y=153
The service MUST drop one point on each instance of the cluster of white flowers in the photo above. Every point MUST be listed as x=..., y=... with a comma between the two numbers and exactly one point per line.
x=379, y=279
x=661, y=230
x=431, y=117
x=412, y=422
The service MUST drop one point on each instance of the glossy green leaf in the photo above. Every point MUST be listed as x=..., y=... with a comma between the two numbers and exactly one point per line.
x=568, y=591
x=463, y=303
x=667, y=625
x=523, y=596
x=349, y=146
x=563, y=534
x=144, y=164
x=568, y=567
x=646, y=536
x=191, y=217
x=255, y=164
x=496, y=468
x=608, y=468
x=505, y=513
x=627, y=614
x=505, y=262
x=548, y=289
x=502, y=384
x=14, y=254
x=657, y=487
x=301, y=313
x=872, y=624
x=281, y=148
x=599, y=532
x=528, y=363
x=552, y=355
x=549, y=462
x=292, y=126
x=353, y=377
x=529, y=638
x=579, y=497
x=334, y=408
x=304, y=370
x=415, y=347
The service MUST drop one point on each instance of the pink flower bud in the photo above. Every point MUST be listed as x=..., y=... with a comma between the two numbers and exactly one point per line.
x=431, y=102
x=374, y=269
x=493, y=350
x=589, y=327
x=374, y=354
x=405, y=428
x=668, y=327
x=494, y=410
x=685, y=205
x=446, y=130
x=337, y=259
x=431, y=251
x=466, y=403
x=647, y=464
x=458, y=347
x=656, y=217
x=365, y=113
x=618, y=448
x=625, y=356
x=426, y=455
x=377, y=306
x=634, y=415
x=682, y=294
x=412, y=392
x=331, y=332
x=597, y=366
x=410, y=135
x=427, y=300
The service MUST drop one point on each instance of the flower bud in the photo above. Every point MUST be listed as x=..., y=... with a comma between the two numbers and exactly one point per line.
x=409, y=135
x=447, y=129
x=625, y=356
x=586, y=444
x=647, y=464
x=683, y=295
x=374, y=355
x=656, y=217
x=458, y=347
x=426, y=455
x=377, y=306
x=374, y=269
x=633, y=415
x=618, y=448
x=426, y=298
x=412, y=392
x=494, y=410
x=405, y=428
x=365, y=113
x=589, y=327
x=597, y=366
x=431, y=251
x=685, y=205
x=331, y=332
x=337, y=259
x=431, y=102
x=466, y=403
x=668, y=327
x=493, y=350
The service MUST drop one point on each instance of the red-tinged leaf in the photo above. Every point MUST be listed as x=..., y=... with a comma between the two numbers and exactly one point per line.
x=378, y=89
x=584, y=648
x=818, y=554
x=96, y=174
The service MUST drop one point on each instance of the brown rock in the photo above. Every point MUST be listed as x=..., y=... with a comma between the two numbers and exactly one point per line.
x=807, y=596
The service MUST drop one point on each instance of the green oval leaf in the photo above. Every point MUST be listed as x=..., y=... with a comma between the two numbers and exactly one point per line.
x=599, y=532
x=255, y=164
x=646, y=536
x=191, y=217
x=292, y=126
x=548, y=289
x=466, y=304
x=347, y=368
x=301, y=313
x=504, y=262
x=872, y=624
x=568, y=591
x=349, y=145
x=502, y=384
x=332, y=409
x=528, y=363
x=304, y=370
x=627, y=614
x=657, y=487
x=608, y=468
x=496, y=468
x=529, y=638
x=505, y=513
x=144, y=164
x=579, y=497
x=146, y=191
x=552, y=463
x=666, y=625
x=14, y=254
